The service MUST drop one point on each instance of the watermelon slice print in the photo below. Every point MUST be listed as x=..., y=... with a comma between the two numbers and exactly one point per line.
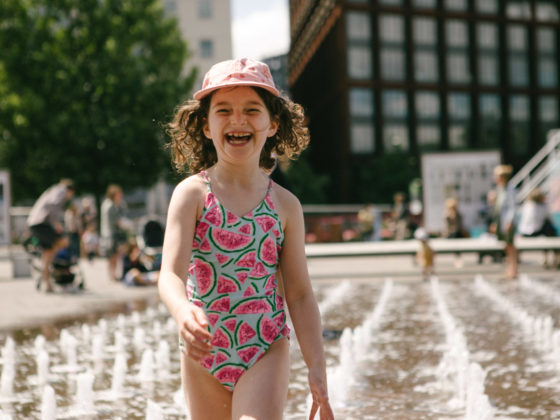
x=227, y=241
x=221, y=338
x=247, y=353
x=207, y=362
x=252, y=305
x=244, y=333
x=266, y=222
x=221, y=357
x=231, y=218
x=201, y=229
x=230, y=324
x=220, y=304
x=259, y=271
x=212, y=319
x=227, y=285
x=267, y=251
x=223, y=259
x=214, y=216
x=205, y=276
x=229, y=373
x=267, y=330
x=247, y=228
x=247, y=259
x=242, y=276
x=250, y=291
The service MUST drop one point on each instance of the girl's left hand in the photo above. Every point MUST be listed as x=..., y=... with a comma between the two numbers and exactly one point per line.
x=318, y=386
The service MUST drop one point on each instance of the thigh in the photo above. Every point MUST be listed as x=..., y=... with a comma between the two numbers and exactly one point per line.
x=261, y=392
x=206, y=398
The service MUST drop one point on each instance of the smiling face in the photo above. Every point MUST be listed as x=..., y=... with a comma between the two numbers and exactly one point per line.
x=238, y=123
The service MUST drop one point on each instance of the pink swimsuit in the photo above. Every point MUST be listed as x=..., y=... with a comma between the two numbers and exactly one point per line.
x=232, y=276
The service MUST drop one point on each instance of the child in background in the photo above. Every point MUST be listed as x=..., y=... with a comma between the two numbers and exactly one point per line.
x=90, y=240
x=237, y=239
x=425, y=254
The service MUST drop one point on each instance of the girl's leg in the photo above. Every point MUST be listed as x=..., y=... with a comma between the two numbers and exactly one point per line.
x=206, y=398
x=261, y=392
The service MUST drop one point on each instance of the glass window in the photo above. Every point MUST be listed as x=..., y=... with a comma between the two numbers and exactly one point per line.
x=391, y=2
x=426, y=66
x=487, y=6
x=392, y=64
x=547, y=58
x=391, y=28
x=518, y=9
x=359, y=1
x=206, y=48
x=490, y=120
x=518, y=64
x=427, y=4
x=459, y=110
x=428, y=136
x=395, y=104
x=456, y=33
x=519, y=114
x=456, y=4
x=358, y=26
x=488, y=70
x=424, y=31
x=358, y=31
x=458, y=67
x=361, y=102
x=362, y=137
x=395, y=113
x=548, y=115
x=427, y=105
x=547, y=10
x=359, y=62
x=205, y=9
x=487, y=42
x=487, y=36
x=395, y=137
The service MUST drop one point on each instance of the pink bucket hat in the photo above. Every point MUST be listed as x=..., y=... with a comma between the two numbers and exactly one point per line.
x=238, y=72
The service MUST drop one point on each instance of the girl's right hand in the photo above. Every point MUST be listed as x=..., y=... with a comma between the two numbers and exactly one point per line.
x=193, y=330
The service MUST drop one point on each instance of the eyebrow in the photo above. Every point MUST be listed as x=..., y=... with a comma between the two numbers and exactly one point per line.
x=248, y=103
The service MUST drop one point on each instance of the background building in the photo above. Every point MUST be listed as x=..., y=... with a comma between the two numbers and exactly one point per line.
x=384, y=81
x=206, y=26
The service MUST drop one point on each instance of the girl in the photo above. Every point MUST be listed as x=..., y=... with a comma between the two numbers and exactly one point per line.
x=230, y=233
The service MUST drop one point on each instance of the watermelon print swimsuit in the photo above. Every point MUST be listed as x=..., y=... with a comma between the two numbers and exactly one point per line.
x=232, y=276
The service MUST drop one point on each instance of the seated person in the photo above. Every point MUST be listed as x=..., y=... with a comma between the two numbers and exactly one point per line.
x=137, y=268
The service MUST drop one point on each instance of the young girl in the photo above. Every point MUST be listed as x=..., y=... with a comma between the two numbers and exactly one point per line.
x=237, y=239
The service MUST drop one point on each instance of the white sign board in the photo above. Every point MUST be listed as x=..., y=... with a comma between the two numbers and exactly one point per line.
x=5, y=208
x=465, y=176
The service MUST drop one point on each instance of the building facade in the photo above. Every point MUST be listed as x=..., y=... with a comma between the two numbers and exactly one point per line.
x=382, y=78
x=206, y=26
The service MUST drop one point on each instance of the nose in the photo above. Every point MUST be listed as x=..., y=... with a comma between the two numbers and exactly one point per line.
x=237, y=118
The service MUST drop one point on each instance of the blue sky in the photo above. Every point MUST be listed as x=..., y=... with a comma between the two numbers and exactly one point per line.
x=260, y=28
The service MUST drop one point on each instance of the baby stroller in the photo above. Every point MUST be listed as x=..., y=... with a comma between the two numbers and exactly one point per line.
x=64, y=269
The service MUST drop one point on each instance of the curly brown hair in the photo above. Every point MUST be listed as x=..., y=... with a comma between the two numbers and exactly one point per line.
x=192, y=152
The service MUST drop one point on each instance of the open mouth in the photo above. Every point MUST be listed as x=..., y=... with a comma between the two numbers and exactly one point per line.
x=238, y=138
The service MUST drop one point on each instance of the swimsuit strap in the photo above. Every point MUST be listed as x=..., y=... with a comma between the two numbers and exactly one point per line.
x=206, y=180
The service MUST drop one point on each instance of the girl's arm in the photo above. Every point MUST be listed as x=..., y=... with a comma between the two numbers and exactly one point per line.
x=177, y=246
x=302, y=305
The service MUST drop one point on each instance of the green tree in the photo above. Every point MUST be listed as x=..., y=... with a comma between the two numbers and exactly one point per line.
x=84, y=89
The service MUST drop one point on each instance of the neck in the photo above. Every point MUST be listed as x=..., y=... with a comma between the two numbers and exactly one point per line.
x=232, y=174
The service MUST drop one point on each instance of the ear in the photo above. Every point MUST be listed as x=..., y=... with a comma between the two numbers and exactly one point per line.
x=274, y=123
x=206, y=129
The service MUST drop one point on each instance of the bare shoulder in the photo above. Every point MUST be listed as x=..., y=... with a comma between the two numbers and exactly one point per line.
x=188, y=193
x=287, y=204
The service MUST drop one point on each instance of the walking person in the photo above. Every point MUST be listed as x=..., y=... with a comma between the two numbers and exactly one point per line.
x=45, y=222
x=504, y=210
x=236, y=238
x=113, y=230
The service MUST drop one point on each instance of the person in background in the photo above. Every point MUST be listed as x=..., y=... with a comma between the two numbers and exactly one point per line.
x=535, y=221
x=503, y=225
x=113, y=228
x=73, y=229
x=90, y=240
x=399, y=217
x=454, y=225
x=425, y=255
x=137, y=267
x=45, y=222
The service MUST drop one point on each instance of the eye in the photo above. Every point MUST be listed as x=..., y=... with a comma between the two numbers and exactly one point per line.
x=253, y=110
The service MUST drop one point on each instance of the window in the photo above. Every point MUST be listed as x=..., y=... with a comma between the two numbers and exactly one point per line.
x=459, y=111
x=456, y=4
x=548, y=115
x=518, y=9
x=392, y=55
x=457, y=60
x=519, y=114
x=547, y=10
x=425, y=4
x=517, y=55
x=205, y=9
x=547, y=57
x=358, y=32
x=487, y=6
x=391, y=2
x=427, y=106
x=395, y=116
x=206, y=48
x=487, y=42
x=490, y=110
x=425, y=53
x=362, y=133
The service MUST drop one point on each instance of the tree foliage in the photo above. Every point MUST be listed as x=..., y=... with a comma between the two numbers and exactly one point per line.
x=84, y=89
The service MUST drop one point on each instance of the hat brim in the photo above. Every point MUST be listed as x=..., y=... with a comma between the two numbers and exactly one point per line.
x=205, y=92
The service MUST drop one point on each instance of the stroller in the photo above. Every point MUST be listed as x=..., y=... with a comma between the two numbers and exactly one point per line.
x=64, y=269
